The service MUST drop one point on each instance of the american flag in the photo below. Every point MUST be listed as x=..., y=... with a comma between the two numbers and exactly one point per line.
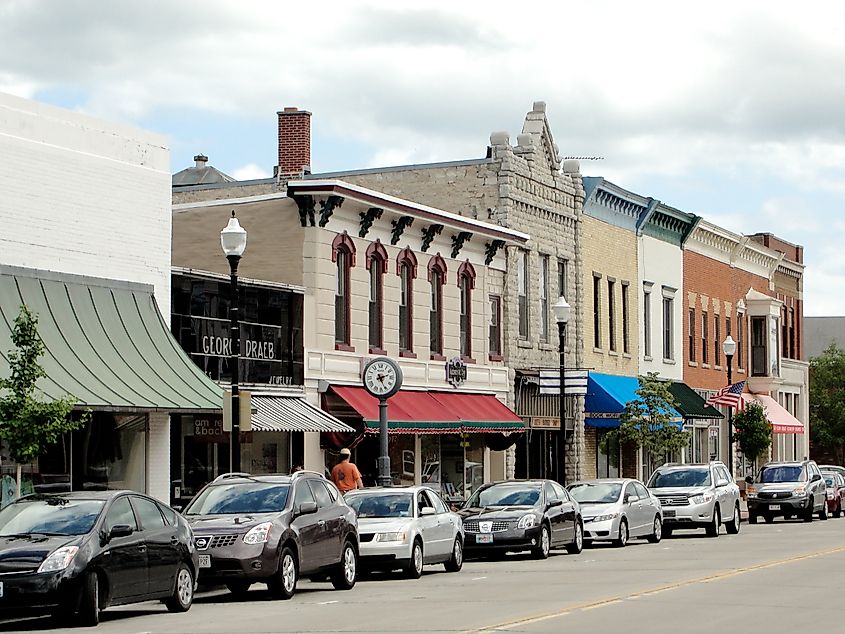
x=730, y=395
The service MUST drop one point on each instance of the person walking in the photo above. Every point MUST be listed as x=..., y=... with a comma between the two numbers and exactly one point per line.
x=345, y=474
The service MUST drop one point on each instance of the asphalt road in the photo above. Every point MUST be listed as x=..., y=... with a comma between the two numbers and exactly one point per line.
x=784, y=577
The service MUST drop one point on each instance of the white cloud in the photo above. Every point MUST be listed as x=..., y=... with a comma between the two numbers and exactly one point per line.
x=250, y=172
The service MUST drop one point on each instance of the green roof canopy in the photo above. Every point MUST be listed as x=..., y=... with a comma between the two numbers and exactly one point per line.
x=105, y=343
x=690, y=404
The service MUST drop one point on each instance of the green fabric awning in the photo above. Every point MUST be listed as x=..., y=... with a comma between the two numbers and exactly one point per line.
x=106, y=344
x=690, y=404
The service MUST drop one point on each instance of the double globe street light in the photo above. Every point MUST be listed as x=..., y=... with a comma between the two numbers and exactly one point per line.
x=562, y=311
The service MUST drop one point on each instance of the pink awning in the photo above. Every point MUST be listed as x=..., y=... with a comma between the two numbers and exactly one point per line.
x=782, y=421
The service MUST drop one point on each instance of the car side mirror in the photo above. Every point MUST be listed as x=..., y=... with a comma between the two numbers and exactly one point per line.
x=721, y=482
x=120, y=530
x=555, y=503
x=427, y=510
x=178, y=508
x=816, y=477
x=631, y=499
x=749, y=480
x=306, y=508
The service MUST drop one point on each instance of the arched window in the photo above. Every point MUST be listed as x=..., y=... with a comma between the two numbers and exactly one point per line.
x=377, y=266
x=343, y=255
x=466, y=283
x=406, y=269
x=436, y=277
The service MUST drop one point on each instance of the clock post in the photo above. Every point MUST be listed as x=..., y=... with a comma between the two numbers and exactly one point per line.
x=382, y=379
x=384, y=478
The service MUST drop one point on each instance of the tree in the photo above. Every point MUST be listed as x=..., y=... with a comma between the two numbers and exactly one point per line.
x=752, y=431
x=28, y=425
x=827, y=401
x=647, y=421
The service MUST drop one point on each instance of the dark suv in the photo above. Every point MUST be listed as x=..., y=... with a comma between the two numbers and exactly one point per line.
x=273, y=529
x=787, y=489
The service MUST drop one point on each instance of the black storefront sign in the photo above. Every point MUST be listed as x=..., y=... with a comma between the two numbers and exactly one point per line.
x=456, y=372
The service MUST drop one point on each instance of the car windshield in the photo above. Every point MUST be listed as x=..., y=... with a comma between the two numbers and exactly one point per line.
x=781, y=473
x=382, y=504
x=680, y=478
x=507, y=494
x=50, y=516
x=596, y=492
x=228, y=499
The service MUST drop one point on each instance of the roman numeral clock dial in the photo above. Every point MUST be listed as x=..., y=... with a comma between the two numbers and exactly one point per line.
x=382, y=377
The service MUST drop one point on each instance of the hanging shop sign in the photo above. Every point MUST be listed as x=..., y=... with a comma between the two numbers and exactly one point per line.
x=456, y=372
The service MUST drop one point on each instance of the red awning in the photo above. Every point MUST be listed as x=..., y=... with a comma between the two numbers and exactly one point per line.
x=782, y=421
x=478, y=412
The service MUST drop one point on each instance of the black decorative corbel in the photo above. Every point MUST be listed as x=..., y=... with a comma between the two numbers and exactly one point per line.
x=306, y=209
x=399, y=226
x=327, y=207
x=491, y=249
x=458, y=242
x=428, y=234
x=367, y=218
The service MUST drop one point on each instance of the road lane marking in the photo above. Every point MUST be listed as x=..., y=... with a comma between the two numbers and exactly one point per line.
x=327, y=602
x=591, y=605
x=479, y=578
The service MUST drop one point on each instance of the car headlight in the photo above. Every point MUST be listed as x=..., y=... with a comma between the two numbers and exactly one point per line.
x=799, y=491
x=751, y=492
x=527, y=521
x=605, y=517
x=399, y=536
x=258, y=534
x=703, y=498
x=59, y=559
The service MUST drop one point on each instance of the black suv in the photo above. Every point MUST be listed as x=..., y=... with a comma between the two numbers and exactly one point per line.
x=786, y=489
x=273, y=529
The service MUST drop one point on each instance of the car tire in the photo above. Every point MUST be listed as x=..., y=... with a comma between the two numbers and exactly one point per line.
x=733, y=526
x=577, y=544
x=414, y=567
x=345, y=573
x=823, y=512
x=456, y=561
x=657, y=531
x=769, y=518
x=283, y=584
x=183, y=591
x=752, y=518
x=808, y=515
x=88, y=614
x=668, y=530
x=238, y=588
x=544, y=545
x=838, y=510
x=624, y=534
x=714, y=528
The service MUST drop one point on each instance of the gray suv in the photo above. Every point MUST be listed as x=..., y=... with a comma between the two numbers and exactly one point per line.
x=787, y=489
x=696, y=496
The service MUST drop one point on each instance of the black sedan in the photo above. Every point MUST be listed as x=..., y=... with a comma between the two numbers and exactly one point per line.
x=78, y=553
x=517, y=515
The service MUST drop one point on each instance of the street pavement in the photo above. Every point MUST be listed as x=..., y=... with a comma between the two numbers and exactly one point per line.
x=783, y=577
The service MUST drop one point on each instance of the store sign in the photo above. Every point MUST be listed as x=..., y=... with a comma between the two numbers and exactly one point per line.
x=538, y=422
x=209, y=429
x=456, y=372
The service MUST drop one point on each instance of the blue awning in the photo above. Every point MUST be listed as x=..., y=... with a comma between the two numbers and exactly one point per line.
x=607, y=395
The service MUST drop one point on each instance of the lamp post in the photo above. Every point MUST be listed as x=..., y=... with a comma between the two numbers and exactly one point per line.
x=729, y=348
x=233, y=241
x=562, y=312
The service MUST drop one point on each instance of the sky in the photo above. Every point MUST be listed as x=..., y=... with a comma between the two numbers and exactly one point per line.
x=730, y=110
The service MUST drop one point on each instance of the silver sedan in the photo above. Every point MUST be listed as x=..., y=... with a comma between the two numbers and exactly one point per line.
x=406, y=528
x=618, y=509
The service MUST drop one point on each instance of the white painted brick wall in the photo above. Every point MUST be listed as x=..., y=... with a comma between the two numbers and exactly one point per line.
x=158, y=456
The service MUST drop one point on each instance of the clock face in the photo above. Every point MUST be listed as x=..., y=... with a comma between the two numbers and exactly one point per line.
x=381, y=378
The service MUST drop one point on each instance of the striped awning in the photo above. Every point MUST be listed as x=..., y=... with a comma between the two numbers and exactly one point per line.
x=292, y=413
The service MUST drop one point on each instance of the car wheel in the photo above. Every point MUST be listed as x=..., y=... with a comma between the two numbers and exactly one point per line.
x=733, y=526
x=283, y=583
x=414, y=567
x=823, y=512
x=752, y=518
x=668, y=530
x=346, y=572
x=183, y=592
x=769, y=518
x=838, y=510
x=808, y=514
x=89, y=601
x=620, y=541
x=456, y=561
x=715, y=526
x=577, y=544
x=544, y=545
x=238, y=588
x=657, y=531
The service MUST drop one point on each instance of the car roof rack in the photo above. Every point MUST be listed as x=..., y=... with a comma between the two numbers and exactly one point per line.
x=303, y=472
x=232, y=474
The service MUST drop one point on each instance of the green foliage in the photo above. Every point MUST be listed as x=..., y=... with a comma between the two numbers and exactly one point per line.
x=827, y=401
x=647, y=421
x=28, y=425
x=752, y=431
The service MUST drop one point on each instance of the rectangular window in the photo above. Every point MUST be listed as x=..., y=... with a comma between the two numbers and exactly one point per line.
x=740, y=338
x=717, y=341
x=562, y=277
x=792, y=351
x=406, y=315
x=647, y=323
x=758, y=347
x=466, y=318
x=341, y=299
x=495, y=330
x=522, y=288
x=375, y=304
x=691, y=335
x=784, y=329
x=727, y=327
x=596, y=311
x=626, y=341
x=668, y=310
x=611, y=315
x=435, y=315
x=705, y=343
x=544, y=297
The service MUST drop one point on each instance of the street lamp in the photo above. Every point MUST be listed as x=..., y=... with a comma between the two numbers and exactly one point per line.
x=729, y=348
x=233, y=241
x=562, y=312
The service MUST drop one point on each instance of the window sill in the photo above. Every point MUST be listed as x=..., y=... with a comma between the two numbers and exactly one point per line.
x=612, y=353
x=669, y=361
x=705, y=365
x=437, y=357
x=495, y=357
x=522, y=343
x=691, y=364
x=647, y=358
x=407, y=354
x=598, y=350
x=740, y=371
x=626, y=355
x=468, y=359
x=377, y=351
x=547, y=346
x=717, y=367
x=344, y=347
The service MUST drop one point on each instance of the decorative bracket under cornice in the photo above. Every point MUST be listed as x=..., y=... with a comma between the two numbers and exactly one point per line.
x=458, y=242
x=367, y=218
x=491, y=249
x=428, y=234
x=399, y=226
x=306, y=209
x=327, y=207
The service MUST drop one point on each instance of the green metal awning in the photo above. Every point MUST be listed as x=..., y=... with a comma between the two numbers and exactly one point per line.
x=106, y=344
x=690, y=404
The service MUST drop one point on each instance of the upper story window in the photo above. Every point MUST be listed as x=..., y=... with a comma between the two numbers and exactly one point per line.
x=691, y=335
x=793, y=349
x=562, y=277
x=626, y=325
x=377, y=267
x=436, y=279
x=343, y=255
x=668, y=324
x=406, y=268
x=740, y=339
x=544, y=297
x=704, y=341
x=717, y=341
x=611, y=315
x=647, y=321
x=495, y=328
x=596, y=311
x=758, y=347
x=522, y=288
x=466, y=284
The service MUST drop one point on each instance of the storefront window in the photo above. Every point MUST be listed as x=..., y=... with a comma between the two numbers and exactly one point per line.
x=431, y=460
x=402, y=458
x=607, y=464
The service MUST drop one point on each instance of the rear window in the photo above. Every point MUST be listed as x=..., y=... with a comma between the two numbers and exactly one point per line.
x=680, y=478
x=229, y=499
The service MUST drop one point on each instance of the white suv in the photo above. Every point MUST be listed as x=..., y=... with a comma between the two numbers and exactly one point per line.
x=696, y=496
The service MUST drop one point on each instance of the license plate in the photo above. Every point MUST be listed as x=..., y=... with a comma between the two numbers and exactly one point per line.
x=205, y=561
x=774, y=507
x=668, y=513
x=483, y=539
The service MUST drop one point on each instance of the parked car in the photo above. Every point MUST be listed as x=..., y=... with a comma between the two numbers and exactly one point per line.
x=82, y=552
x=405, y=528
x=832, y=467
x=835, y=484
x=273, y=529
x=784, y=489
x=518, y=515
x=617, y=509
x=696, y=496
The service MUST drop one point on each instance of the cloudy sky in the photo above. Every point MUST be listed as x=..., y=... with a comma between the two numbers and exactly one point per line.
x=732, y=110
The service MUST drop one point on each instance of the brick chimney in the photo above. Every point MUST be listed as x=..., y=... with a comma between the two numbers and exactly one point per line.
x=294, y=142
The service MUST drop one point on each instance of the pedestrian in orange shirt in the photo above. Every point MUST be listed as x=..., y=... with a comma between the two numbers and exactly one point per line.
x=345, y=474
